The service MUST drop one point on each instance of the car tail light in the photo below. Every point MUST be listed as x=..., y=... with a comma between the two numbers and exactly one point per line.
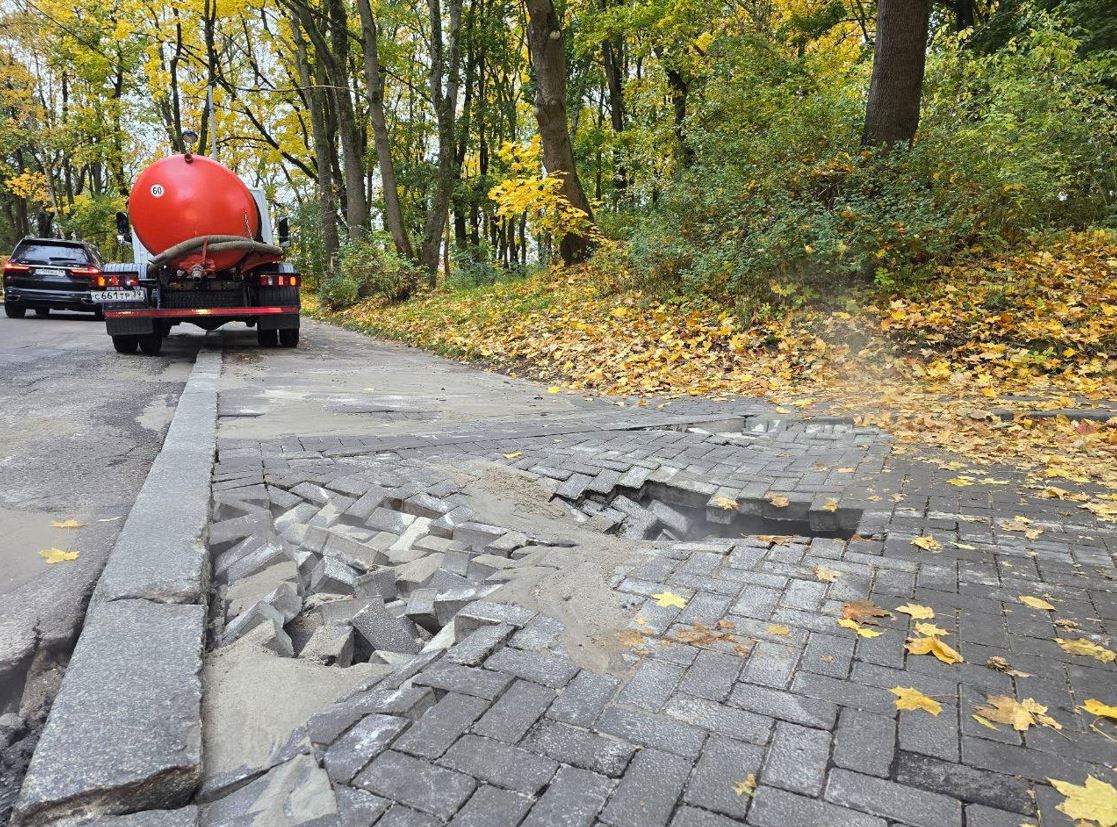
x=85, y=271
x=12, y=267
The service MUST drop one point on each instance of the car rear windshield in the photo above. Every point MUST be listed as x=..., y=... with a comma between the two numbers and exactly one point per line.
x=37, y=252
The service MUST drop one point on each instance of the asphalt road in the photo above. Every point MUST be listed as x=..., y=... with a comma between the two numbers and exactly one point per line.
x=79, y=428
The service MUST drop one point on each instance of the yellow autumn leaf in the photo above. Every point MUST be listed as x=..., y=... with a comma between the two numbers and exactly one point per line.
x=1096, y=707
x=933, y=646
x=930, y=630
x=514, y=455
x=746, y=786
x=961, y=482
x=778, y=500
x=1005, y=709
x=778, y=629
x=854, y=626
x=68, y=523
x=910, y=698
x=830, y=505
x=1081, y=646
x=57, y=555
x=1095, y=801
x=667, y=599
x=826, y=575
x=554, y=389
x=985, y=722
x=725, y=503
x=927, y=543
x=916, y=611
x=1036, y=602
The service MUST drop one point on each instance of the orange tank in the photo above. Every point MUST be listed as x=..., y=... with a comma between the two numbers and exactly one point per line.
x=179, y=198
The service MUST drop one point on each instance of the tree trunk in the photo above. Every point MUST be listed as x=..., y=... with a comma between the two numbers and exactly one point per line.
x=964, y=15
x=892, y=113
x=374, y=80
x=444, y=97
x=548, y=58
x=328, y=218
x=680, y=91
x=613, y=51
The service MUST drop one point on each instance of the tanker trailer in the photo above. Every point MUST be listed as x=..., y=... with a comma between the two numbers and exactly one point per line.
x=204, y=254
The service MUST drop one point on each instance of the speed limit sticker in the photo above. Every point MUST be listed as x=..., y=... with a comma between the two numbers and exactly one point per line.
x=157, y=190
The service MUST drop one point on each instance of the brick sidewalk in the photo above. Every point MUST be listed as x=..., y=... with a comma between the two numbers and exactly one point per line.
x=731, y=695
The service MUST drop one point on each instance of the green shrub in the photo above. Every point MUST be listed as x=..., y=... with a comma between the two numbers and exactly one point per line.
x=370, y=268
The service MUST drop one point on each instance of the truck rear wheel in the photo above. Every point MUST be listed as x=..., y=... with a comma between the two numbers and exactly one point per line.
x=289, y=337
x=267, y=338
x=151, y=343
x=125, y=344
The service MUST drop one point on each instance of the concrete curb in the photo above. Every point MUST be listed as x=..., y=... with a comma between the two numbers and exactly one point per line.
x=125, y=732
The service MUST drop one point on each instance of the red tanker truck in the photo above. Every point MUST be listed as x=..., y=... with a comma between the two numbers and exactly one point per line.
x=204, y=254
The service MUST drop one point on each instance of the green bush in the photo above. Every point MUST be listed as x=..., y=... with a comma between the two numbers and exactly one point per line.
x=782, y=202
x=366, y=269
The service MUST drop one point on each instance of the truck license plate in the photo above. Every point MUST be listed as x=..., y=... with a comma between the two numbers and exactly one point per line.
x=117, y=295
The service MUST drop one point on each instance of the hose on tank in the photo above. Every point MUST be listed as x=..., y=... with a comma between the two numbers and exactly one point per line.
x=212, y=243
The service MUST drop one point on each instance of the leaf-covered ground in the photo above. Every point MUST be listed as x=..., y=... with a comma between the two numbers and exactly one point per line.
x=955, y=368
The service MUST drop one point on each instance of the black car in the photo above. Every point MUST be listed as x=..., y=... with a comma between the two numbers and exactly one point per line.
x=51, y=273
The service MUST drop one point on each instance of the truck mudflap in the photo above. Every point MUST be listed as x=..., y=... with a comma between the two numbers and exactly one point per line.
x=142, y=320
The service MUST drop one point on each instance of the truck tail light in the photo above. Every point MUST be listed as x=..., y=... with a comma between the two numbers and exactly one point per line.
x=113, y=280
x=277, y=280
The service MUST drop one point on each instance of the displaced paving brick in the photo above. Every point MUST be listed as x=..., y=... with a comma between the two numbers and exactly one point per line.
x=892, y=800
x=647, y=794
x=582, y=700
x=467, y=680
x=572, y=799
x=433, y=734
x=352, y=752
x=797, y=759
x=383, y=630
x=505, y=766
x=532, y=666
x=723, y=764
x=486, y=613
x=652, y=731
x=478, y=644
x=358, y=808
x=435, y=790
x=651, y=686
x=775, y=808
x=328, y=725
x=579, y=748
x=515, y=712
x=492, y=805
x=541, y=633
x=864, y=742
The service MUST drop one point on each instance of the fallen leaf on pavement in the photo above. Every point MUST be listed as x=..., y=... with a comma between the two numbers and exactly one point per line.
x=908, y=697
x=725, y=503
x=514, y=455
x=778, y=500
x=1094, y=801
x=985, y=722
x=830, y=505
x=68, y=523
x=933, y=646
x=927, y=543
x=826, y=575
x=667, y=599
x=778, y=629
x=1036, y=603
x=853, y=625
x=916, y=611
x=57, y=555
x=1096, y=707
x=864, y=611
x=1081, y=646
x=746, y=786
x=1005, y=709
x=999, y=664
x=930, y=630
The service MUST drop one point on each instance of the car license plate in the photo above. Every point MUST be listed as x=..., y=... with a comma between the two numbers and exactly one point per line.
x=117, y=295
x=50, y=272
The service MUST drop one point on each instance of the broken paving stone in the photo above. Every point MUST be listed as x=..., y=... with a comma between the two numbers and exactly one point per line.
x=311, y=493
x=445, y=525
x=330, y=645
x=477, y=535
x=385, y=519
x=383, y=630
x=332, y=575
x=225, y=534
x=338, y=609
x=424, y=505
x=418, y=573
x=246, y=558
x=484, y=565
x=420, y=609
x=486, y=613
x=503, y=546
x=244, y=592
x=674, y=520
x=353, y=552
x=416, y=531
x=393, y=659
x=442, y=641
x=259, y=614
x=285, y=600
x=356, y=748
x=367, y=503
x=449, y=602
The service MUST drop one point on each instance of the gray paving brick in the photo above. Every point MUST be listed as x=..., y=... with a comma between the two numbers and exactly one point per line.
x=935, y=735
x=581, y=700
x=499, y=764
x=492, y=805
x=687, y=816
x=786, y=706
x=776, y=808
x=651, y=686
x=515, y=711
x=797, y=759
x=711, y=676
x=969, y=784
x=352, y=752
x=655, y=731
x=892, y=800
x=846, y=693
x=864, y=742
x=723, y=764
x=719, y=718
x=978, y=815
x=479, y=644
x=416, y=783
x=579, y=748
x=358, y=808
x=573, y=799
x=1034, y=765
x=452, y=677
x=647, y=794
x=401, y=816
x=532, y=666
x=433, y=734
